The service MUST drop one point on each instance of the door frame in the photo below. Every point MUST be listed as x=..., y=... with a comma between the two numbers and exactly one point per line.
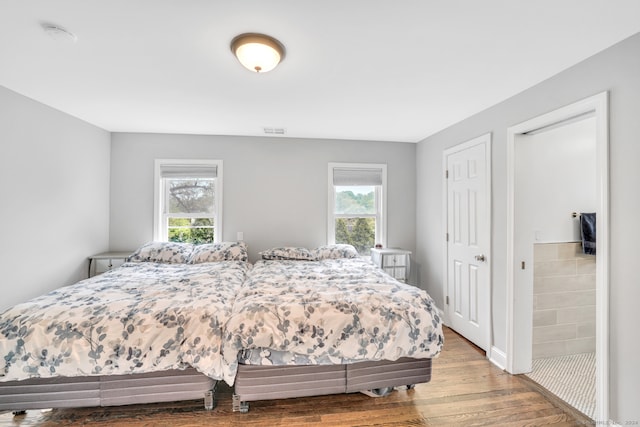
x=484, y=139
x=597, y=104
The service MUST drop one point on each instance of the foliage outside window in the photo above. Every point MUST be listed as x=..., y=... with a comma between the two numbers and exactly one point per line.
x=357, y=205
x=355, y=213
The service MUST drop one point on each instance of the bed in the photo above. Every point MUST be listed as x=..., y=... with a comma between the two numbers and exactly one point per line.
x=326, y=321
x=148, y=331
x=175, y=319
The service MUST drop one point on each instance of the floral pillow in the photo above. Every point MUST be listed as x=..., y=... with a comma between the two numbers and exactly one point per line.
x=169, y=252
x=223, y=251
x=290, y=253
x=335, y=251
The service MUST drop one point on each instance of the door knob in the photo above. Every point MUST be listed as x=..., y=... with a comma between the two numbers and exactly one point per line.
x=481, y=258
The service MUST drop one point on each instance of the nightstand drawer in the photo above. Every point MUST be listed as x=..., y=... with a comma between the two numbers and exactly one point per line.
x=398, y=273
x=394, y=260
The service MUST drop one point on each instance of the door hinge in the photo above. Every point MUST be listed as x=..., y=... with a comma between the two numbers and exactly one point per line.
x=447, y=236
x=446, y=174
x=447, y=299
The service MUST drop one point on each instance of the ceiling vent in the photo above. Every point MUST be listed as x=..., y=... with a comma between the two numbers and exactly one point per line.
x=274, y=131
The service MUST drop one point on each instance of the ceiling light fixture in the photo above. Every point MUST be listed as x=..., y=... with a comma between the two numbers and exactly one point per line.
x=257, y=52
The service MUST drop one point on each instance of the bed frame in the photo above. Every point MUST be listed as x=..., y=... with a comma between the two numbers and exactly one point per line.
x=113, y=390
x=252, y=383
x=255, y=382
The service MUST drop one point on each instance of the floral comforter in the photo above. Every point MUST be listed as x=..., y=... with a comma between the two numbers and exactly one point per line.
x=138, y=318
x=328, y=312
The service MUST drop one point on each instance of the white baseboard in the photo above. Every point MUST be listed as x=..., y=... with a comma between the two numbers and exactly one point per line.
x=498, y=357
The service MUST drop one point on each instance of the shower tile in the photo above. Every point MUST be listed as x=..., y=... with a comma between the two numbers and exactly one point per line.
x=545, y=334
x=566, y=299
x=549, y=349
x=583, y=345
x=545, y=318
x=545, y=252
x=577, y=314
x=569, y=250
x=586, y=330
x=586, y=266
x=554, y=268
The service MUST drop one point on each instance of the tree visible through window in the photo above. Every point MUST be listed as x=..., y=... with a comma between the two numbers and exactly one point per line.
x=190, y=216
x=355, y=217
x=357, y=205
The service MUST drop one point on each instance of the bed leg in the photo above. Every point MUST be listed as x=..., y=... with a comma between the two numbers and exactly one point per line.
x=411, y=386
x=240, y=406
x=210, y=398
x=378, y=392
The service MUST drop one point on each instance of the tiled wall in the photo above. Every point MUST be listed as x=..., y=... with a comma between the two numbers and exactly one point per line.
x=564, y=298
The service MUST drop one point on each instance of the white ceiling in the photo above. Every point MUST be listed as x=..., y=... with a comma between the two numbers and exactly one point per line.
x=355, y=69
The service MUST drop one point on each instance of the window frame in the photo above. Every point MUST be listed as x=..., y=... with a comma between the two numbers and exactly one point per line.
x=160, y=217
x=381, y=202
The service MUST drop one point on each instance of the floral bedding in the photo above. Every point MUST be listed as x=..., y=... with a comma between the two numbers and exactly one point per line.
x=332, y=311
x=140, y=317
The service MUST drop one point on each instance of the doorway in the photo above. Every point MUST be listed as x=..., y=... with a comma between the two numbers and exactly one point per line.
x=520, y=262
x=554, y=183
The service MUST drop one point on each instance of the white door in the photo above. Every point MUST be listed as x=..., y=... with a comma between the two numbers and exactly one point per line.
x=468, y=234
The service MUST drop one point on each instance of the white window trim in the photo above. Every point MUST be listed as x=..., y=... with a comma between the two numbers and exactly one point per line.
x=159, y=196
x=381, y=229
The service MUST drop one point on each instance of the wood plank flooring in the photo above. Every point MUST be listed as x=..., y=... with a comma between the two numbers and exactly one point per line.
x=465, y=390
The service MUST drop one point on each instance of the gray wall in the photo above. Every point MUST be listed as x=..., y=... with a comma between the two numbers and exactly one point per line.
x=54, y=187
x=616, y=70
x=275, y=189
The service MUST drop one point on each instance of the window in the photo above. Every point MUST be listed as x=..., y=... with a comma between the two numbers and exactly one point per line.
x=188, y=203
x=357, y=205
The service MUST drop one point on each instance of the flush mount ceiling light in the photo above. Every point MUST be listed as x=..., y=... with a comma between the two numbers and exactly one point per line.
x=257, y=52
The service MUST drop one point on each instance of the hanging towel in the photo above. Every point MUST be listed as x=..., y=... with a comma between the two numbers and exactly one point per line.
x=588, y=233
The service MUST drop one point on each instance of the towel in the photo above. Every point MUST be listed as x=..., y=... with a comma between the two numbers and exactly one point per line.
x=588, y=233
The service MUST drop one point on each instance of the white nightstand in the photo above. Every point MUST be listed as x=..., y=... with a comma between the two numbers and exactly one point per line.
x=105, y=261
x=396, y=262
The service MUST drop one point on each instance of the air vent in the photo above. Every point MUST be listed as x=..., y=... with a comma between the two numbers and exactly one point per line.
x=274, y=131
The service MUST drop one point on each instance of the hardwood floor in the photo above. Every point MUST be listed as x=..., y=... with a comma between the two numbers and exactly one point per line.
x=465, y=390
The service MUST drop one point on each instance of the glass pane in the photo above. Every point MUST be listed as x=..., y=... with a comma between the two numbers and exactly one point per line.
x=359, y=232
x=191, y=230
x=191, y=195
x=355, y=200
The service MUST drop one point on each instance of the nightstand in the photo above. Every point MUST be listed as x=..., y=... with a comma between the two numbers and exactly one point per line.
x=105, y=261
x=396, y=262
